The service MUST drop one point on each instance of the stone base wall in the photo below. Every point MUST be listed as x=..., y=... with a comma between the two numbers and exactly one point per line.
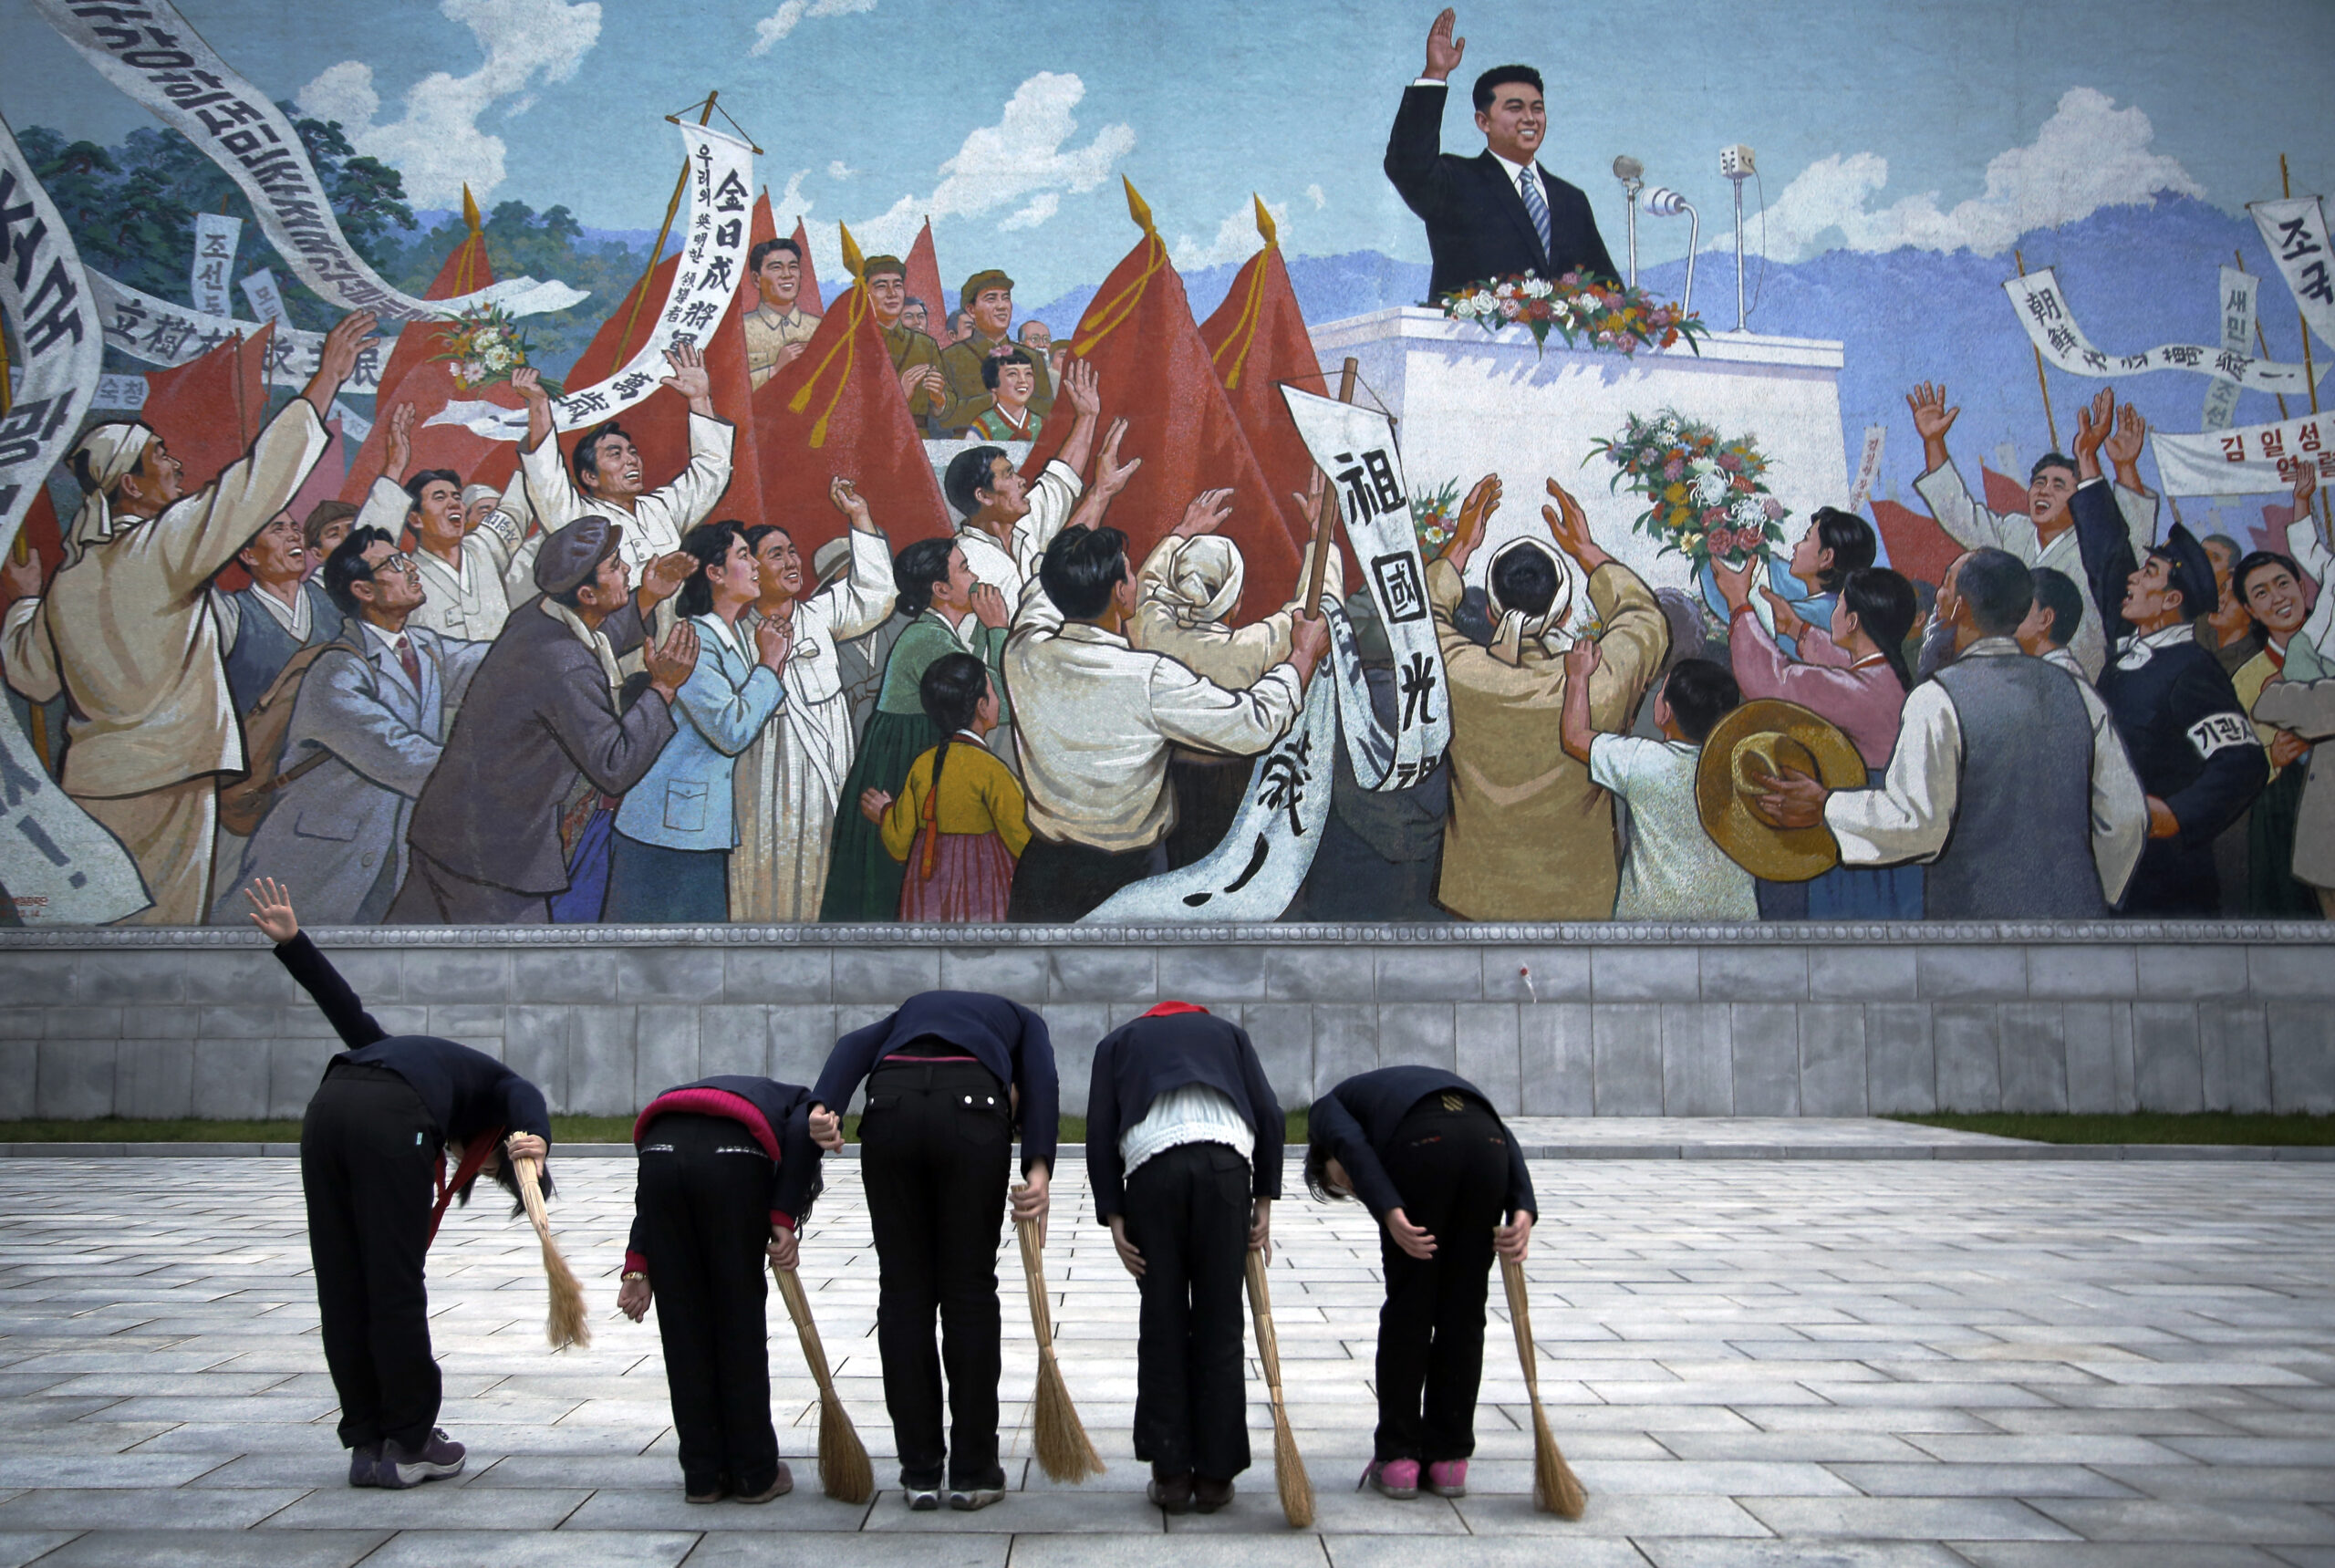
x=1552, y=1021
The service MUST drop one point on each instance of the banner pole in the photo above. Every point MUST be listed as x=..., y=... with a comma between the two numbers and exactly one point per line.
x=1328, y=509
x=2049, y=423
x=657, y=252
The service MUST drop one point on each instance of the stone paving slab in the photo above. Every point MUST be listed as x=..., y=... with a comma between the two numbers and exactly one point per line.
x=1860, y=1364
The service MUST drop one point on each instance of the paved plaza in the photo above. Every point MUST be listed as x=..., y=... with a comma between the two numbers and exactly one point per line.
x=1764, y=1362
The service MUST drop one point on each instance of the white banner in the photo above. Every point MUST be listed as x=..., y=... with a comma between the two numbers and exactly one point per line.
x=2051, y=325
x=713, y=259
x=162, y=333
x=215, y=238
x=2239, y=293
x=58, y=867
x=1256, y=871
x=2295, y=232
x=148, y=50
x=2256, y=459
x=126, y=394
x=353, y=425
x=1876, y=437
x=267, y=300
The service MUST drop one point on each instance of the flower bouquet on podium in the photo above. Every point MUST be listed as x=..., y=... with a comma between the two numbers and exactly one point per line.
x=1705, y=497
x=1587, y=312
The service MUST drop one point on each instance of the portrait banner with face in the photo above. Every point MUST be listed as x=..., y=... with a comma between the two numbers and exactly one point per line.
x=2051, y=327
x=146, y=50
x=158, y=332
x=2238, y=294
x=58, y=866
x=2295, y=232
x=712, y=262
x=2254, y=460
x=215, y=238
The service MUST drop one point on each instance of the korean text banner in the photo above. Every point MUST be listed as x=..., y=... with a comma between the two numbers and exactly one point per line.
x=2043, y=311
x=2256, y=459
x=148, y=50
x=2295, y=232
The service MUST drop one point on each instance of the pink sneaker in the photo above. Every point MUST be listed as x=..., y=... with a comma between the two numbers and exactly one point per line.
x=1448, y=1477
x=1397, y=1478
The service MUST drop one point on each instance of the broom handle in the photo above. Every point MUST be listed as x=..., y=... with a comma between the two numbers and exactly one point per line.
x=790, y=1288
x=531, y=1193
x=1519, y=1318
x=1033, y=1280
x=1261, y=1308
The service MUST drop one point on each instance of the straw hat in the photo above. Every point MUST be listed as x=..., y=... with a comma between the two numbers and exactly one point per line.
x=1749, y=747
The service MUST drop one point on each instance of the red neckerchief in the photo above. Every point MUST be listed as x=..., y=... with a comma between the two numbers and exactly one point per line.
x=1169, y=1009
x=474, y=1160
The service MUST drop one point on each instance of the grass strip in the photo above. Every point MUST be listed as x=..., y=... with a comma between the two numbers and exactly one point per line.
x=2294, y=1129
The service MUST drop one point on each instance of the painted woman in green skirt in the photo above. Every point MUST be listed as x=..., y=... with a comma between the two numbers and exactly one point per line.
x=938, y=592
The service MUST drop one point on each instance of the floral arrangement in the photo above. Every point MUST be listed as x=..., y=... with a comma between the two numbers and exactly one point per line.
x=1585, y=311
x=1707, y=497
x=485, y=345
x=1435, y=518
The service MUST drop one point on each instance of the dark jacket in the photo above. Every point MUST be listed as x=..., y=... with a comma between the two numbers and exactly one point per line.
x=1358, y=1117
x=2188, y=734
x=538, y=713
x=1003, y=1036
x=777, y=1114
x=1476, y=226
x=466, y=1092
x=1138, y=1062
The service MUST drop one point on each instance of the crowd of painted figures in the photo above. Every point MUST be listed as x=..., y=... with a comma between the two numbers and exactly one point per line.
x=592, y=696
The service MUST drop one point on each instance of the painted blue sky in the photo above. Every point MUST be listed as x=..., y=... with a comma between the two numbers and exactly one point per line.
x=1009, y=121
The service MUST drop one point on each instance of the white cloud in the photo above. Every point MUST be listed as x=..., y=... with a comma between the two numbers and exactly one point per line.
x=2089, y=154
x=839, y=169
x=1236, y=238
x=1315, y=195
x=789, y=15
x=1023, y=163
x=437, y=145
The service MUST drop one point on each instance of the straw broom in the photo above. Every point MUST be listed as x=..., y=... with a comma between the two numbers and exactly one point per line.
x=844, y=1473
x=565, y=1325
x=1555, y=1489
x=1288, y=1469
x=1064, y=1451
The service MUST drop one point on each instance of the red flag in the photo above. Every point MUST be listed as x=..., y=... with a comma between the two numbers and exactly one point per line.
x=38, y=536
x=1918, y=548
x=2003, y=494
x=1154, y=371
x=1257, y=340
x=923, y=265
x=763, y=227
x=837, y=412
x=415, y=374
x=810, y=299
x=325, y=481
x=209, y=409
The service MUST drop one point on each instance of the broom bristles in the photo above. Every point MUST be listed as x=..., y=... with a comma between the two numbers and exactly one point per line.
x=1289, y=1480
x=1555, y=1489
x=565, y=1324
x=844, y=1473
x=1064, y=1451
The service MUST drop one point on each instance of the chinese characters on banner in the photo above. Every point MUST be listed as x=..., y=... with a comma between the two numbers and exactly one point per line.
x=2043, y=311
x=145, y=48
x=215, y=238
x=56, y=864
x=2238, y=295
x=2255, y=459
x=162, y=333
x=713, y=259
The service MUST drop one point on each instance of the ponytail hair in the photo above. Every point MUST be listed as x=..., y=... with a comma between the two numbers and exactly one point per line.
x=1883, y=602
x=950, y=693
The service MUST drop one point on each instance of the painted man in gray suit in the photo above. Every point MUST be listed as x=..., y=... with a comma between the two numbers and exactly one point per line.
x=364, y=735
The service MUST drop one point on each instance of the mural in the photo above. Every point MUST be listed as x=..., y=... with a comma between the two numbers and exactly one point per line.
x=1232, y=465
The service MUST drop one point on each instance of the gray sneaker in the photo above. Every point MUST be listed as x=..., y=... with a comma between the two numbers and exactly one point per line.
x=364, y=1465
x=436, y=1460
x=966, y=1500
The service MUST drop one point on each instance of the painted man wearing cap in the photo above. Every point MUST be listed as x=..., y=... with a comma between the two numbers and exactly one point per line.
x=989, y=298
x=126, y=631
x=607, y=478
x=915, y=355
x=2191, y=744
x=464, y=541
x=778, y=327
x=546, y=711
x=2008, y=779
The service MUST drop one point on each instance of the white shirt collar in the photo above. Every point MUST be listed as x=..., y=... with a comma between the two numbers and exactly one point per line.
x=1516, y=172
x=386, y=641
x=2136, y=650
x=294, y=617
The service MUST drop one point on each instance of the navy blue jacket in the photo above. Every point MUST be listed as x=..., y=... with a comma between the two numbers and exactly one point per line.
x=1358, y=1117
x=2188, y=736
x=1003, y=1036
x=785, y=1113
x=1138, y=1062
x=466, y=1092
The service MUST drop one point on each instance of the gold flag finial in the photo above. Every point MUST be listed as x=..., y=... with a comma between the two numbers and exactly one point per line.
x=1265, y=221
x=470, y=208
x=853, y=262
x=1137, y=208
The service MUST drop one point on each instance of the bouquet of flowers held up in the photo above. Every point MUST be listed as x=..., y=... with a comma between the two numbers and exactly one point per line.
x=1434, y=518
x=1706, y=495
x=1587, y=312
x=485, y=345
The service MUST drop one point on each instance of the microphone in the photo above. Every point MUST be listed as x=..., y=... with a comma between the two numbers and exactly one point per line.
x=1664, y=202
x=1628, y=168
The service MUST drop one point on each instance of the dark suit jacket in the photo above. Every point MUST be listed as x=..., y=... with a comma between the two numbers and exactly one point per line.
x=538, y=713
x=1144, y=1059
x=1476, y=226
x=1003, y=1036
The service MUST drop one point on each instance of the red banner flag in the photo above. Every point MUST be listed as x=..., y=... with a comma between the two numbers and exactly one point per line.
x=1919, y=550
x=810, y=296
x=1257, y=341
x=838, y=412
x=1156, y=372
x=923, y=264
x=209, y=410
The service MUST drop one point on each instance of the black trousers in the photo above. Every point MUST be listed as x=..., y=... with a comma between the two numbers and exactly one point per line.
x=703, y=1197
x=370, y=1155
x=1058, y=883
x=935, y=1143
x=1188, y=1214
x=1451, y=1167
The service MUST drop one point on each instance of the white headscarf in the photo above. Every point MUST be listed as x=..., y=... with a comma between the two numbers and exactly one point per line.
x=1202, y=582
x=1514, y=629
x=112, y=453
x=476, y=493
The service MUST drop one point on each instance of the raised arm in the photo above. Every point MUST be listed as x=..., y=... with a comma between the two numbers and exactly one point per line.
x=272, y=912
x=1414, y=147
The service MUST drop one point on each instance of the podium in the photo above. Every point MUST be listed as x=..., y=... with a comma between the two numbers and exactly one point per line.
x=1468, y=402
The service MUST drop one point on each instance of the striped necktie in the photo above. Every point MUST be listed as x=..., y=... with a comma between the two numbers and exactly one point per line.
x=1528, y=185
